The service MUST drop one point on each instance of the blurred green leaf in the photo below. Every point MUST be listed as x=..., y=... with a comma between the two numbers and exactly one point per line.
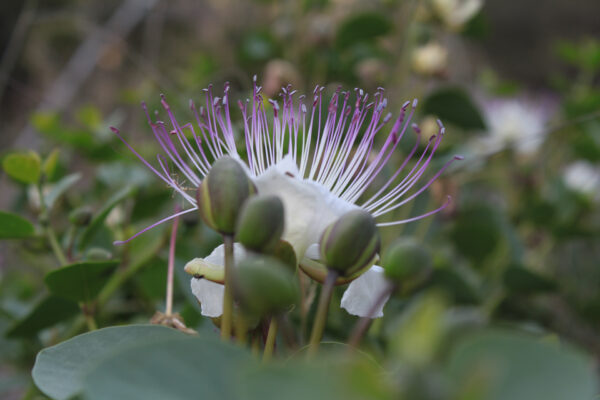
x=81, y=281
x=13, y=226
x=455, y=285
x=98, y=220
x=524, y=281
x=454, y=105
x=498, y=365
x=59, y=370
x=59, y=188
x=24, y=167
x=48, y=312
x=362, y=28
x=477, y=232
x=50, y=164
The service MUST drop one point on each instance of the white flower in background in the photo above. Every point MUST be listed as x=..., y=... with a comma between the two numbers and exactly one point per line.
x=583, y=177
x=430, y=59
x=455, y=13
x=320, y=164
x=513, y=123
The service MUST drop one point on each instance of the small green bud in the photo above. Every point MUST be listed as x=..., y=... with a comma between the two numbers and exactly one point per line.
x=260, y=225
x=285, y=253
x=222, y=194
x=350, y=243
x=264, y=286
x=81, y=216
x=405, y=261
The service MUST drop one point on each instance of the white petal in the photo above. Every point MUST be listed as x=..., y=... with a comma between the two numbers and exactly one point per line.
x=309, y=207
x=364, y=291
x=313, y=252
x=210, y=296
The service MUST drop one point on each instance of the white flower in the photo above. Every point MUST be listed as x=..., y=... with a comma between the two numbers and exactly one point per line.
x=430, y=59
x=319, y=165
x=583, y=177
x=513, y=123
x=455, y=13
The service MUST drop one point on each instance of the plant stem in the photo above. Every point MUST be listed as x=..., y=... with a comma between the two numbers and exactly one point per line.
x=171, y=267
x=364, y=323
x=241, y=329
x=48, y=231
x=270, y=343
x=321, y=317
x=303, y=307
x=226, y=319
x=90, y=322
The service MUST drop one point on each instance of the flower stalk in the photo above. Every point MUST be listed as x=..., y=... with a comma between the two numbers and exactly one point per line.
x=321, y=317
x=171, y=267
x=227, y=318
x=270, y=343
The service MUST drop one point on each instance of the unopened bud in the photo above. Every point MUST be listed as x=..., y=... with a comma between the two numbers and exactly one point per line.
x=264, y=286
x=81, y=216
x=351, y=243
x=285, y=253
x=261, y=223
x=222, y=194
x=406, y=261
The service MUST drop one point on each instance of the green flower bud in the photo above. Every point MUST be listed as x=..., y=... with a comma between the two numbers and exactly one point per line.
x=285, y=253
x=261, y=223
x=222, y=194
x=264, y=286
x=406, y=261
x=350, y=243
x=81, y=216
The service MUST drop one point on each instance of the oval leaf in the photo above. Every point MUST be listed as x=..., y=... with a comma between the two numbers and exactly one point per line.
x=13, y=226
x=454, y=105
x=24, y=167
x=51, y=310
x=59, y=370
x=80, y=282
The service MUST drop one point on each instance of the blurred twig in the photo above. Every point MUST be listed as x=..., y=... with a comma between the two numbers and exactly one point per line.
x=15, y=43
x=84, y=60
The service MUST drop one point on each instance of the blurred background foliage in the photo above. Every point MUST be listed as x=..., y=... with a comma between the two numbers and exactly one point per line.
x=516, y=256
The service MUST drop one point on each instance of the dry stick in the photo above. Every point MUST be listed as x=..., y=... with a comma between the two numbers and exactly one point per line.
x=85, y=59
x=321, y=317
x=227, y=317
x=171, y=267
x=364, y=323
x=270, y=343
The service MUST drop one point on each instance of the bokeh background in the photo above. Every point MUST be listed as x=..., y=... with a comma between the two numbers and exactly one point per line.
x=516, y=83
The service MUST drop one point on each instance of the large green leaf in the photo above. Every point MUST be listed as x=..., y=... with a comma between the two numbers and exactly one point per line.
x=181, y=368
x=13, y=226
x=24, y=167
x=518, y=279
x=96, y=223
x=498, y=365
x=51, y=310
x=59, y=370
x=453, y=105
x=81, y=281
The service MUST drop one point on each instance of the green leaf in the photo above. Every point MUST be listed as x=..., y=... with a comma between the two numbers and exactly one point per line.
x=453, y=105
x=477, y=232
x=524, y=281
x=59, y=370
x=96, y=223
x=50, y=163
x=51, y=310
x=184, y=368
x=500, y=365
x=59, y=188
x=24, y=167
x=81, y=281
x=13, y=226
x=362, y=28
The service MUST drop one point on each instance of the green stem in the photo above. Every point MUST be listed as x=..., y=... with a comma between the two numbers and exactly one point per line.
x=90, y=322
x=48, y=231
x=241, y=329
x=270, y=343
x=227, y=317
x=321, y=317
